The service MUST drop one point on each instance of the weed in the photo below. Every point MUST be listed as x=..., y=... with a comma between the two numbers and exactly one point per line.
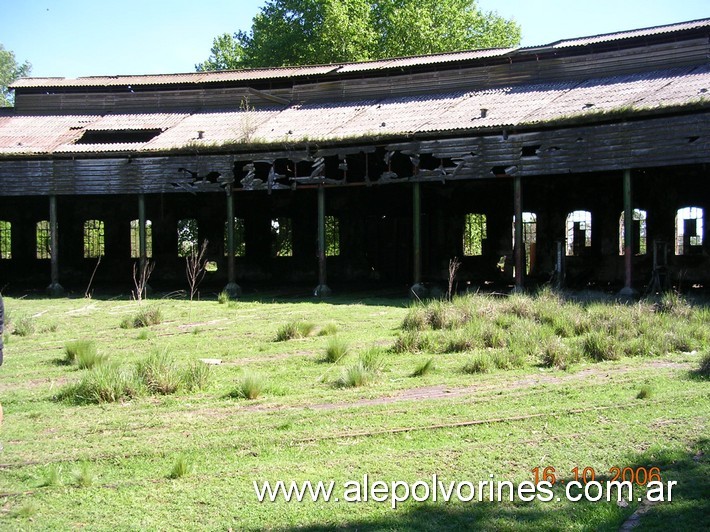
x=145, y=334
x=293, y=330
x=335, y=350
x=372, y=359
x=423, y=368
x=507, y=360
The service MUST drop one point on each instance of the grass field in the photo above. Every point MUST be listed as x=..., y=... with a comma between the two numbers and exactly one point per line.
x=113, y=421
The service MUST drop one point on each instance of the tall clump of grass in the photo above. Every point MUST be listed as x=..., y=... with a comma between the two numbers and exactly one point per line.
x=105, y=383
x=84, y=476
x=250, y=386
x=24, y=326
x=600, y=346
x=364, y=370
x=423, y=368
x=83, y=353
x=411, y=341
x=223, y=297
x=703, y=370
x=160, y=373
x=181, y=468
x=196, y=376
x=145, y=317
x=480, y=363
x=556, y=354
x=328, y=330
x=51, y=476
x=293, y=330
x=335, y=350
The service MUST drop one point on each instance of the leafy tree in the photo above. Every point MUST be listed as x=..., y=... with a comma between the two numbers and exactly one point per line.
x=10, y=70
x=298, y=32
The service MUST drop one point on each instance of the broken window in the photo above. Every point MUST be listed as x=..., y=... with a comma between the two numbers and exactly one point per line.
x=93, y=239
x=43, y=240
x=281, y=237
x=529, y=237
x=5, y=240
x=188, y=237
x=578, y=232
x=332, y=236
x=474, y=234
x=688, y=230
x=638, y=230
x=136, y=239
x=240, y=245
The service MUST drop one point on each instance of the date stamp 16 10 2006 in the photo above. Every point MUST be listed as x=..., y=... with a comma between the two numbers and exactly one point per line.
x=619, y=479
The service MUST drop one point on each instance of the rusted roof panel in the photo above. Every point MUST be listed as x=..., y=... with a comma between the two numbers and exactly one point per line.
x=136, y=122
x=432, y=59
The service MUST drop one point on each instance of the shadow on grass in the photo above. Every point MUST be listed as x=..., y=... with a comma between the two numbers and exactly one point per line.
x=689, y=509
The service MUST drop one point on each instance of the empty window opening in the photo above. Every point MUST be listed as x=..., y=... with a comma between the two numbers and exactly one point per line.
x=136, y=242
x=93, y=239
x=530, y=151
x=688, y=230
x=123, y=136
x=44, y=249
x=529, y=238
x=579, y=232
x=332, y=236
x=187, y=237
x=474, y=234
x=5, y=240
x=240, y=245
x=638, y=230
x=281, y=237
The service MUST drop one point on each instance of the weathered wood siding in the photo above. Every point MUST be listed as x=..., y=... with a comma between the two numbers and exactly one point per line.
x=643, y=143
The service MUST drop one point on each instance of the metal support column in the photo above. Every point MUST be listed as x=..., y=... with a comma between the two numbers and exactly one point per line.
x=322, y=290
x=518, y=245
x=232, y=288
x=628, y=290
x=418, y=290
x=54, y=289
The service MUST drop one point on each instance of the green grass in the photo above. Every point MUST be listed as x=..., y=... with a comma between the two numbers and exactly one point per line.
x=105, y=448
x=336, y=350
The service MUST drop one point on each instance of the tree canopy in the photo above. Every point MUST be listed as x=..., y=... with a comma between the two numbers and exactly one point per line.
x=300, y=32
x=10, y=70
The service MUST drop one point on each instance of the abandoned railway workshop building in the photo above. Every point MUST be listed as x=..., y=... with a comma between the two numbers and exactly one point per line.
x=583, y=161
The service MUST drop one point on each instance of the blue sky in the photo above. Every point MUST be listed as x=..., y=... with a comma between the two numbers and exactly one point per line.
x=72, y=38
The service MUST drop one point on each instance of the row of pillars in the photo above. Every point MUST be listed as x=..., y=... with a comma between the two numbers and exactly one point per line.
x=322, y=290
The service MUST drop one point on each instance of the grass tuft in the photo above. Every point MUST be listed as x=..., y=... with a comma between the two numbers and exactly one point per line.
x=181, y=468
x=703, y=370
x=223, y=297
x=51, y=476
x=105, y=383
x=294, y=330
x=335, y=350
x=328, y=330
x=84, y=475
x=160, y=373
x=644, y=392
x=480, y=363
x=423, y=368
x=250, y=387
x=24, y=326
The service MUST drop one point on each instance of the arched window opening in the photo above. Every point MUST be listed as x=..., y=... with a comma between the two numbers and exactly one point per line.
x=688, y=230
x=639, y=233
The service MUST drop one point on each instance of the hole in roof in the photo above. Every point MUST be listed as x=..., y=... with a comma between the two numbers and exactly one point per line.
x=118, y=136
x=692, y=139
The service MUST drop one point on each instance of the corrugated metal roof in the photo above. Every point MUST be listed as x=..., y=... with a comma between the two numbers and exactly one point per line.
x=644, y=32
x=342, y=68
x=461, y=111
